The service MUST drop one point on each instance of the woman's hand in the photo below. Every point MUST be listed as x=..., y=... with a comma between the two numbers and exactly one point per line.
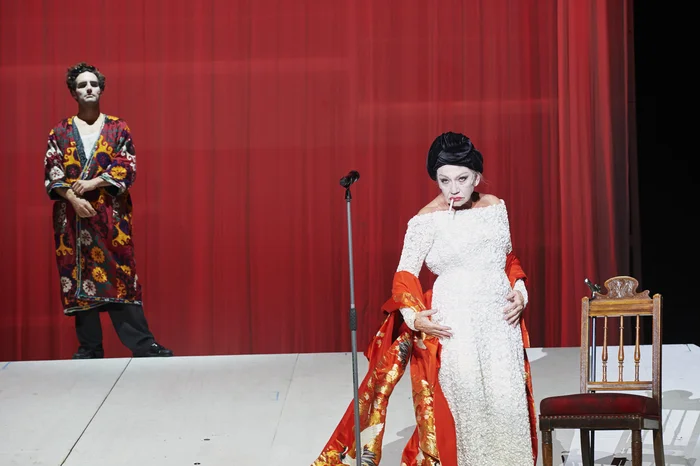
x=427, y=326
x=514, y=310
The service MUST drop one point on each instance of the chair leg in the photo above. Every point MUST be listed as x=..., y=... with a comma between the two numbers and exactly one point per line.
x=586, y=453
x=546, y=448
x=659, y=457
x=636, y=448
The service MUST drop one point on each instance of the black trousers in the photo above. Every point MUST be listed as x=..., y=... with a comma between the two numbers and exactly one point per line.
x=128, y=319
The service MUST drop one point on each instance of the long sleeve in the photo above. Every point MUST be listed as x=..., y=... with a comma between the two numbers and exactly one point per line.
x=514, y=270
x=520, y=286
x=121, y=173
x=409, y=316
x=416, y=245
x=54, y=170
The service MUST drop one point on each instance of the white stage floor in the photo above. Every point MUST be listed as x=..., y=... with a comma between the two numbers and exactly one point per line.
x=266, y=409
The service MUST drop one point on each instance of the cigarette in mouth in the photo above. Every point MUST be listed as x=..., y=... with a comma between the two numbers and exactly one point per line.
x=451, y=202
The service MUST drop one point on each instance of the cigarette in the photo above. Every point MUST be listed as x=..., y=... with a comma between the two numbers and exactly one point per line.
x=451, y=202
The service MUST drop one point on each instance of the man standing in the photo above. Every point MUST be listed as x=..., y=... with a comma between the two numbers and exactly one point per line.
x=90, y=165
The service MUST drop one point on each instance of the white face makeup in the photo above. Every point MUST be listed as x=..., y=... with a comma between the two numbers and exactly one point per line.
x=87, y=89
x=457, y=183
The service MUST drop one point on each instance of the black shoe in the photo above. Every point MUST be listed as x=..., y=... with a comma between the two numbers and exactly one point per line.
x=89, y=353
x=154, y=351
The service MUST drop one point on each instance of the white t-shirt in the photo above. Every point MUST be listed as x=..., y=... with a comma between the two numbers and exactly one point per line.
x=88, y=143
x=90, y=139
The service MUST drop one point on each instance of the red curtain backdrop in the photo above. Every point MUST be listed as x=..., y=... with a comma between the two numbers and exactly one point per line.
x=245, y=114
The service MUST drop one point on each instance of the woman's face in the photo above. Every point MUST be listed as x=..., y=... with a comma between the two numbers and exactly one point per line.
x=457, y=183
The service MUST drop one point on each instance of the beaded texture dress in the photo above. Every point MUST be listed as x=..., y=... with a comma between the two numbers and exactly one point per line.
x=482, y=366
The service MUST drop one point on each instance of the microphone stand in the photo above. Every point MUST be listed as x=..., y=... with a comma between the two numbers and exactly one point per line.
x=346, y=182
x=595, y=288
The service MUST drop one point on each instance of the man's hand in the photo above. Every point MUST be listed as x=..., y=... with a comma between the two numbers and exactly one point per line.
x=514, y=310
x=83, y=208
x=425, y=325
x=81, y=187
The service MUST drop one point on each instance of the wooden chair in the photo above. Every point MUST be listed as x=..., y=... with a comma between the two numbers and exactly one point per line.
x=592, y=410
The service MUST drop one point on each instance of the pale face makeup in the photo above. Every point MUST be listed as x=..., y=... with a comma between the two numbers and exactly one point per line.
x=87, y=88
x=457, y=183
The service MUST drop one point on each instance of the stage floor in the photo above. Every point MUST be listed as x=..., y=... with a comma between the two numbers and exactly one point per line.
x=268, y=409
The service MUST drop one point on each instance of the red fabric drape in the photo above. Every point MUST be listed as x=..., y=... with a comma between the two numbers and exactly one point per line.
x=245, y=114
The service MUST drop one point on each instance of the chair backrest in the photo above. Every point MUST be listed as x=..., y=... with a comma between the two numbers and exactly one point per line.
x=622, y=300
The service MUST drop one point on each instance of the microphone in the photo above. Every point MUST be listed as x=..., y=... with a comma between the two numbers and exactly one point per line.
x=595, y=288
x=349, y=179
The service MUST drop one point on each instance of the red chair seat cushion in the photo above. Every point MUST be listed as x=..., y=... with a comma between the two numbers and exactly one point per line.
x=599, y=404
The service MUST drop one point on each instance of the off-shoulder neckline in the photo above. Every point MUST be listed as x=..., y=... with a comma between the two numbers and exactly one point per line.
x=500, y=202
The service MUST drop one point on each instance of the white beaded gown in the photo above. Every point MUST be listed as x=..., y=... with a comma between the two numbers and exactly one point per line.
x=482, y=366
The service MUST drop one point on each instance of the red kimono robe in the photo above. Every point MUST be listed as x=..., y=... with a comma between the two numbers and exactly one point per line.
x=393, y=348
x=95, y=255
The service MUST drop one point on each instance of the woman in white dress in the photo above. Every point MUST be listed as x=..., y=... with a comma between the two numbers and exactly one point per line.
x=464, y=341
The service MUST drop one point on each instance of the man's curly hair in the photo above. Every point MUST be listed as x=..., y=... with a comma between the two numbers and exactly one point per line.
x=77, y=69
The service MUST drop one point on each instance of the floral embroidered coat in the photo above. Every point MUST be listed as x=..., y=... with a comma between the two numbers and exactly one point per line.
x=95, y=255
